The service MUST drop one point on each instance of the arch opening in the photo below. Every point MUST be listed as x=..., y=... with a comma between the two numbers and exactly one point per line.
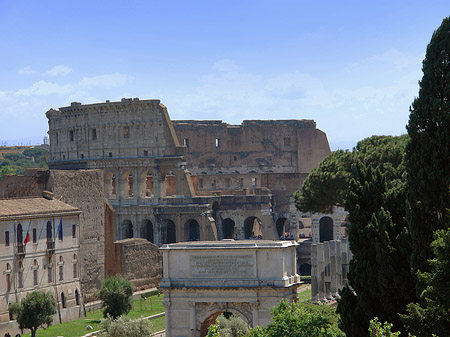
x=148, y=231
x=229, y=313
x=127, y=229
x=192, y=230
x=325, y=229
x=169, y=234
x=228, y=229
x=252, y=228
x=281, y=226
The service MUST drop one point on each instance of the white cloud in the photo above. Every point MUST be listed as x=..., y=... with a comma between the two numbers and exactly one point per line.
x=26, y=71
x=44, y=88
x=60, y=70
x=106, y=81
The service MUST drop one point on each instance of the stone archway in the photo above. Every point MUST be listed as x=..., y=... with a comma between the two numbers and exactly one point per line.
x=281, y=226
x=325, y=229
x=207, y=313
x=191, y=230
x=252, y=227
x=169, y=234
x=127, y=230
x=228, y=229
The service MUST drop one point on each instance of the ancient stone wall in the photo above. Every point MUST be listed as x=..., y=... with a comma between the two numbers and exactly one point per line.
x=84, y=190
x=139, y=261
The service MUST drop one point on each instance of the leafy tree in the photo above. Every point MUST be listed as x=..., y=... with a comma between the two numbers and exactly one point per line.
x=6, y=170
x=125, y=327
x=376, y=329
x=115, y=294
x=14, y=156
x=36, y=152
x=34, y=311
x=232, y=326
x=326, y=185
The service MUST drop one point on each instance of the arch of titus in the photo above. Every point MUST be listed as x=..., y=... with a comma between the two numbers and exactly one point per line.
x=204, y=279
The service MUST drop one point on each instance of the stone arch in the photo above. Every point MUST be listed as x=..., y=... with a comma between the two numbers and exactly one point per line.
x=171, y=187
x=191, y=230
x=147, y=190
x=281, y=226
x=147, y=230
x=325, y=229
x=252, y=227
x=228, y=229
x=169, y=232
x=127, y=229
x=110, y=184
x=127, y=182
x=204, y=321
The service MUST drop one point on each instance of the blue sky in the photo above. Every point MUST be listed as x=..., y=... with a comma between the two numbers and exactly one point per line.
x=352, y=66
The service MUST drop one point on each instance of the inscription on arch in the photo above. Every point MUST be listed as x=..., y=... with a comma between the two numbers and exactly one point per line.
x=222, y=265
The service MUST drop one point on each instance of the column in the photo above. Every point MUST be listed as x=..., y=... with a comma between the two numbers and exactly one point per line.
x=344, y=258
x=255, y=312
x=338, y=266
x=157, y=193
x=118, y=186
x=193, y=328
x=314, y=274
x=327, y=279
x=137, y=185
x=333, y=269
x=321, y=271
x=166, y=303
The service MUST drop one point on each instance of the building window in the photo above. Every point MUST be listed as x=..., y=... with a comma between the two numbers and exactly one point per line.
x=35, y=273
x=74, y=231
x=287, y=142
x=71, y=135
x=126, y=132
x=20, y=275
x=234, y=158
x=94, y=134
x=145, y=153
x=34, y=235
x=240, y=182
x=77, y=297
x=110, y=155
x=61, y=273
x=75, y=270
x=57, y=138
x=253, y=182
x=49, y=270
x=7, y=238
x=63, y=300
x=8, y=277
x=227, y=182
x=186, y=142
x=82, y=156
x=213, y=184
x=217, y=142
x=200, y=183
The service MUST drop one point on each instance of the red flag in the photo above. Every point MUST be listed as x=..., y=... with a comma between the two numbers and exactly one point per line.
x=27, y=239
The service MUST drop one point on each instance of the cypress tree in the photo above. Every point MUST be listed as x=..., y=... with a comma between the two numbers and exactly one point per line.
x=428, y=151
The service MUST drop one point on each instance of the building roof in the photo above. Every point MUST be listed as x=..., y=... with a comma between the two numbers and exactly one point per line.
x=25, y=208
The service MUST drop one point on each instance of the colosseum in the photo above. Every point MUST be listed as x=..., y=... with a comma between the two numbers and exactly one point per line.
x=222, y=181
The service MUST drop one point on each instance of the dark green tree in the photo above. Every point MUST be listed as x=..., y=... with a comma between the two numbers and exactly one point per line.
x=428, y=152
x=35, y=310
x=115, y=294
x=371, y=182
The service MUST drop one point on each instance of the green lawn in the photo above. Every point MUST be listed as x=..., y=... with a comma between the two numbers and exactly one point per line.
x=153, y=305
x=305, y=295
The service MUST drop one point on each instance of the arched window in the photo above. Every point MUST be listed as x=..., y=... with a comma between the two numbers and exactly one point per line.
x=35, y=273
x=20, y=275
x=61, y=268
x=19, y=235
x=8, y=277
x=325, y=229
x=75, y=266
x=63, y=300
x=228, y=229
x=77, y=297
x=49, y=231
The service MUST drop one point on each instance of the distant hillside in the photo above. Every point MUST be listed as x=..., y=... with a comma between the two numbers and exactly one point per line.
x=16, y=159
